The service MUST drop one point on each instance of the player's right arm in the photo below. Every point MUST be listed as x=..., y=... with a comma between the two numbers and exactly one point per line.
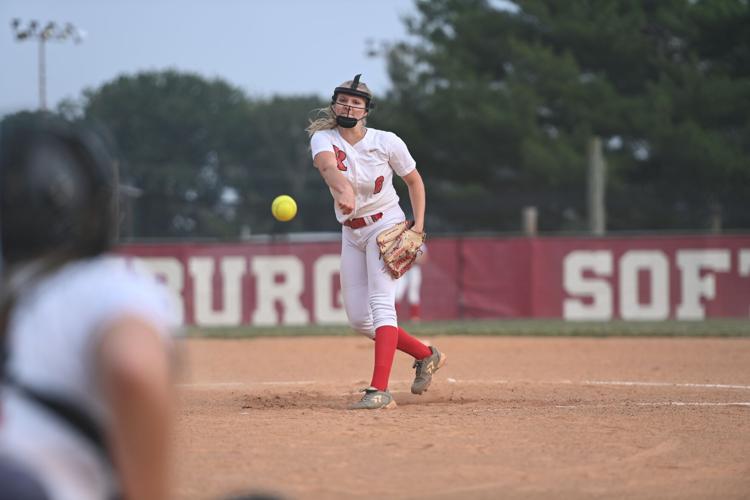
x=324, y=160
x=133, y=363
x=343, y=192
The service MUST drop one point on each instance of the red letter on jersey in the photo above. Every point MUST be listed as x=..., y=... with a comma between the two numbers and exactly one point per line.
x=340, y=157
x=379, y=184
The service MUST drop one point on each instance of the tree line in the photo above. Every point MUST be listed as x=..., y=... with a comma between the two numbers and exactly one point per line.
x=497, y=105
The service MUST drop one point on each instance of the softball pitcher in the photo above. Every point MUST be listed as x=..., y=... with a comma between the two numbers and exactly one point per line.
x=358, y=163
x=86, y=390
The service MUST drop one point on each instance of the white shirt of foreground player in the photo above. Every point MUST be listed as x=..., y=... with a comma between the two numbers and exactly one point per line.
x=52, y=338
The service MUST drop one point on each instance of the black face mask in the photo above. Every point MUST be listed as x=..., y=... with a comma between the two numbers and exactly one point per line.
x=346, y=121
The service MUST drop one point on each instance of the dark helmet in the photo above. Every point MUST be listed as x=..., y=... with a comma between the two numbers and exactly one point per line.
x=354, y=90
x=57, y=192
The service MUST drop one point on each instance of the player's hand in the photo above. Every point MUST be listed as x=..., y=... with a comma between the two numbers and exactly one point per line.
x=345, y=201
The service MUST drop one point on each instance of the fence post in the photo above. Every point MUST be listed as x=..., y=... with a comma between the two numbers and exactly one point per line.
x=596, y=187
x=715, y=218
x=530, y=217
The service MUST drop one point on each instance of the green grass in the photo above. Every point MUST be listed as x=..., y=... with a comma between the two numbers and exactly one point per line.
x=530, y=327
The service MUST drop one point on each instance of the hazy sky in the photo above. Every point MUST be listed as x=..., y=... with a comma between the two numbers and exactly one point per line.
x=265, y=47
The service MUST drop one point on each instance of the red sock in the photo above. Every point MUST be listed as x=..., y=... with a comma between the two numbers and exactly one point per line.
x=386, y=338
x=411, y=345
x=414, y=312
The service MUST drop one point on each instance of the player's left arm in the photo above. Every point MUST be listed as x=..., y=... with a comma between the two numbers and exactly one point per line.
x=417, y=197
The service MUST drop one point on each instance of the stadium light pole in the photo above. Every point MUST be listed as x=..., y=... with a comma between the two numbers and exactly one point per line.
x=52, y=31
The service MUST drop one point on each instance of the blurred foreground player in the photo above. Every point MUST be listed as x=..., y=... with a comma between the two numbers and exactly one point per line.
x=86, y=396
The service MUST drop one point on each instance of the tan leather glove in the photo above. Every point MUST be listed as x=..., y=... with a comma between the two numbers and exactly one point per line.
x=399, y=247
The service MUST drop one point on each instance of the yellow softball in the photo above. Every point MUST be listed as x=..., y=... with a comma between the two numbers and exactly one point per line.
x=284, y=208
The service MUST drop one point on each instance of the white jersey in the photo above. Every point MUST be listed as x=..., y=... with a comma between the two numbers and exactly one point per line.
x=51, y=341
x=368, y=165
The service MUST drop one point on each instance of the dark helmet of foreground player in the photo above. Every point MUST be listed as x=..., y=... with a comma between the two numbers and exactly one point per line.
x=354, y=89
x=57, y=192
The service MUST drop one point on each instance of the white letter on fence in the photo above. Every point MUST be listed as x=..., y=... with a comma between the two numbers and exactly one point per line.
x=169, y=270
x=289, y=293
x=202, y=271
x=744, y=264
x=695, y=286
x=574, y=283
x=657, y=265
x=323, y=271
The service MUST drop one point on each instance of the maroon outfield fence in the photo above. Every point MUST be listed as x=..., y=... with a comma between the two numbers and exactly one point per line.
x=629, y=278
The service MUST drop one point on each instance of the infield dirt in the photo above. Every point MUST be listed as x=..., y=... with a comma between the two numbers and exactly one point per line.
x=507, y=417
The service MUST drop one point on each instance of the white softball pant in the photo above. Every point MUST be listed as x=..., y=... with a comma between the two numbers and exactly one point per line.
x=367, y=288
